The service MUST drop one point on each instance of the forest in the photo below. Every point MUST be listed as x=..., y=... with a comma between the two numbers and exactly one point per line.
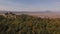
x=27, y=24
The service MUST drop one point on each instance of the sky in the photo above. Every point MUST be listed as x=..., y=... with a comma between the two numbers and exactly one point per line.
x=30, y=5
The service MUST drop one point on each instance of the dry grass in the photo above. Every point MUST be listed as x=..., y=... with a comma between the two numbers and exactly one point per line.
x=47, y=15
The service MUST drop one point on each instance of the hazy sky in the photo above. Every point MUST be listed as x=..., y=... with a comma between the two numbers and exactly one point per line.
x=30, y=5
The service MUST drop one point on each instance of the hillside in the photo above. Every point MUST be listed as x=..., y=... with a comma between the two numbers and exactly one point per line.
x=27, y=24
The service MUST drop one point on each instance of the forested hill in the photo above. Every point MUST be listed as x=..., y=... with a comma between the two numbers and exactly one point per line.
x=25, y=24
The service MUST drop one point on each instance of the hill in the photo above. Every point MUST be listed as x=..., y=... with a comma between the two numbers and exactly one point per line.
x=26, y=24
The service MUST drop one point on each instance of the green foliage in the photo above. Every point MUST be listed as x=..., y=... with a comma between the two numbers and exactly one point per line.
x=25, y=24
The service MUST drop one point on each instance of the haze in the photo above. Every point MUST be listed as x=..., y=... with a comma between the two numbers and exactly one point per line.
x=30, y=5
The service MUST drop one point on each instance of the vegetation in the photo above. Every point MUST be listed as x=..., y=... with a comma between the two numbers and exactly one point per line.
x=25, y=24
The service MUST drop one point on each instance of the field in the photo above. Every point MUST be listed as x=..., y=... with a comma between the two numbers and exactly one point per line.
x=47, y=15
x=26, y=24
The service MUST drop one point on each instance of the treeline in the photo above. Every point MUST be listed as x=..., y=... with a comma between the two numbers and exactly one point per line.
x=25, y=24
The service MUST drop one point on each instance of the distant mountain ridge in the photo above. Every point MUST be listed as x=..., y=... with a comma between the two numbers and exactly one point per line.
x=39, y=14
x=1, y=12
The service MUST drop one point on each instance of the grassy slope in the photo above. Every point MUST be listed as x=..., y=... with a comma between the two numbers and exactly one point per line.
x=25, y=24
